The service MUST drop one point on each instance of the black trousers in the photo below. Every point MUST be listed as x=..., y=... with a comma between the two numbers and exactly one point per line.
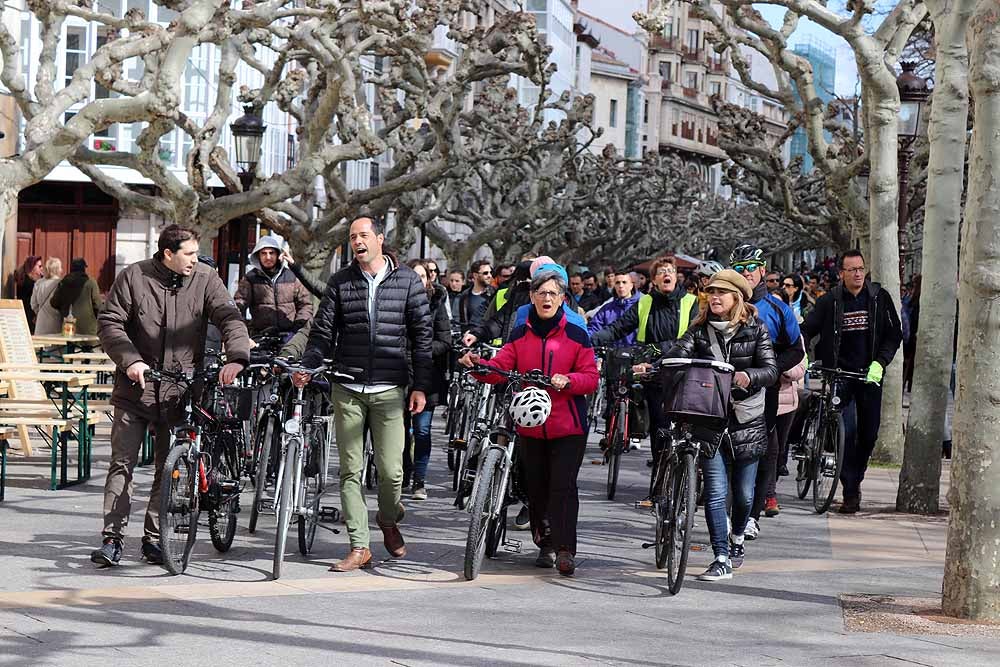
x=862, y=411
x=550, y=469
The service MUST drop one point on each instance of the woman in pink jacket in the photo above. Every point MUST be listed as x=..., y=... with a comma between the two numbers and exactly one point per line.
x=551, y=454
x=790, y=383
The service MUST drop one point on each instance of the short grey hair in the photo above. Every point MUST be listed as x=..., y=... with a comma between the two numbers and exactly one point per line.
x=545, y=276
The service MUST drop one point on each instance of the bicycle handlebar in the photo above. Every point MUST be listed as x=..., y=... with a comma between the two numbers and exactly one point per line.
x=681, y=362
x=838, y=372
x=531, y=377
x=288, y=367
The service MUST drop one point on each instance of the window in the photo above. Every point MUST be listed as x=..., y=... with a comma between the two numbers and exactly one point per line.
x=645, y=111
x=374, y=179
x=692, y=80
x=613, y=114
x=693, y=39
x=104, y=35
x=76, y=50
x=141, y=5
x=715, y=88
x=754, y=103
x=666, y=71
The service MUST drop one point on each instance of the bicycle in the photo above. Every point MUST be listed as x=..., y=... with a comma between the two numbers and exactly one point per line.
x=820, y=454
x=626, y=392
x=301, y=479
x=492, y=490
x=595, y=403
x=674, y=487
x=202, y=469
x=474, y=423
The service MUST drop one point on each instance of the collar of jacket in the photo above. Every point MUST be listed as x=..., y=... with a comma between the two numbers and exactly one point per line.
x=168, y=277
x=627, y=301
x=674, y=296
x=389, y=257
x=533, y=318
x=759, y=292
x=873, y=289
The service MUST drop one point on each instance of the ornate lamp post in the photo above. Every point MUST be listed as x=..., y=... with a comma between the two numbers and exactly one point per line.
x=248, y=134
x=913, y=97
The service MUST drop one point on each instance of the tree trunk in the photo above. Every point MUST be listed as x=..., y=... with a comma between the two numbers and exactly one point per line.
x=919, y=480
x=972, y=564
x=883, y=107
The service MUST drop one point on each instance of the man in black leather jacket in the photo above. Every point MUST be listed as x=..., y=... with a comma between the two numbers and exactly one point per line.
x=375, y=319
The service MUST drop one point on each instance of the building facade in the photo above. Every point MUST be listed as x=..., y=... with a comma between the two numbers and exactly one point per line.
x=824, y=64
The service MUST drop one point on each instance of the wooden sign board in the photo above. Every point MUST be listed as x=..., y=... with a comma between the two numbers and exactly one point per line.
x=16, y=347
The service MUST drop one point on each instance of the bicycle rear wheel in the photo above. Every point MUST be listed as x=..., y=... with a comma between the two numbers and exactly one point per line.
x=616, y=445
x=312, y=489
x=222, y=519
x=283, y=505
x=828, y=463
x=661, y=506
x=267, y=430
x=370, y=473
x=682, y=509
x=483, y=508
x=804, y=471
x=179, y=497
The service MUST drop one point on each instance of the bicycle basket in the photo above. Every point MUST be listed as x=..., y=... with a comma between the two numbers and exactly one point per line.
x=234, y=403
x=698, y=396
x=618, y=363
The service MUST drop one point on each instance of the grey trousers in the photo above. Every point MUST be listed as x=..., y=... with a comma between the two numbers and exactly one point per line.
x=127, y=433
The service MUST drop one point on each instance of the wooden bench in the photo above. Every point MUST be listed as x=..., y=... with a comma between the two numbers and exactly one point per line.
x=4, y=434
x=59, y=459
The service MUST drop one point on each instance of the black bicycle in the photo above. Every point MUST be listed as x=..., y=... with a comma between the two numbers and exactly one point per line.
x=675, y=486
x=820, y=453
x=202, y=471
x=493, y=489
x=626, y=393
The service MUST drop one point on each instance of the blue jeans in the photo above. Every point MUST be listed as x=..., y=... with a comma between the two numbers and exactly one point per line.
x=422, y=442
x=716, y=473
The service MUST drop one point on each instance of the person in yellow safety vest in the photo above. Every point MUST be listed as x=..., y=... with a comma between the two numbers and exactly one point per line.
x=661, y=316
x=501, y=309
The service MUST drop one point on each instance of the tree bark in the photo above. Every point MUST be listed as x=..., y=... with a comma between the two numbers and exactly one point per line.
x=920, y=477
x=972, y=565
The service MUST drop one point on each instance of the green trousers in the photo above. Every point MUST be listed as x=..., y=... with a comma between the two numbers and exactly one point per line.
x=383, y=412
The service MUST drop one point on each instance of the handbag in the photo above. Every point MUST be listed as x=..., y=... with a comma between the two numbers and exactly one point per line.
x=699, y=396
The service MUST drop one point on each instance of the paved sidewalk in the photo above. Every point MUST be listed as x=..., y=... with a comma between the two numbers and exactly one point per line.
x=781, y=608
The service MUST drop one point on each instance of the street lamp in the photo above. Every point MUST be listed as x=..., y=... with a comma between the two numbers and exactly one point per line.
x=248, y=133
x=913, y=97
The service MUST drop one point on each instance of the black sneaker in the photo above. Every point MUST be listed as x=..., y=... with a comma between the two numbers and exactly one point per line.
x=546, y=557
x=109, y=554
x=783, y=470
x=717, y=570
x=152, y=553
x=522, y=521
x=736, y=554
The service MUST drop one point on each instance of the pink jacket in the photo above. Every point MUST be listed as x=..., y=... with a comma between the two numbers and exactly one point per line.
x=565, y=350
x=789, y=384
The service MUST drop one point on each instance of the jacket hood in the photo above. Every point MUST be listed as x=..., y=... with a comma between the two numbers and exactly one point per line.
x=267, y=242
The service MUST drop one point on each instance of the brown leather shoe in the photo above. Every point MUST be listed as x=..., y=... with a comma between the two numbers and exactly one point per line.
x=360, y=558
x=392, y=538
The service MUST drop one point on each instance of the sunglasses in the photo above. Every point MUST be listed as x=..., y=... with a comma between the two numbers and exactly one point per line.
x=788, y=284
x=772, y=280
x=486, y=273
x=741, y=267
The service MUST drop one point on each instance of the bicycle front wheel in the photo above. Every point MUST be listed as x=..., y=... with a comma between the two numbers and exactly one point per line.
x=312, y=489
x=660, y=498
x=179, y=496
x=828, y=463
x=805, y=469
x=681, y=522
x=283, y=505
x=267, y=429
x=483, y=508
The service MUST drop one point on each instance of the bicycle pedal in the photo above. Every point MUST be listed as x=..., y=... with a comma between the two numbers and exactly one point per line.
x=643, y=504
x=458, y=444
x=265, y=506
x=512, y=546
x=329, y=514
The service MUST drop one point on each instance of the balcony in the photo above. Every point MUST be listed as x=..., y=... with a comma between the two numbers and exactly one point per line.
x=665, y=85
x=687, y=131
x=691, y=93
x=717, y=64
x=444, y=51
x=660, y=43
x=712, y=139
x=690, y=55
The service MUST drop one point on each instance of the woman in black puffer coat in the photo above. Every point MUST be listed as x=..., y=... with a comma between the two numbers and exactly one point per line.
x=729, y=324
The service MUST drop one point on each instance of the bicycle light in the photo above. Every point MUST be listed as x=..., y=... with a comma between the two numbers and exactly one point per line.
x=835, y=400
x=292, y=426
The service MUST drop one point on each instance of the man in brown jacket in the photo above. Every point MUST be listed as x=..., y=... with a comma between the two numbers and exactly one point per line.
x=155, y=317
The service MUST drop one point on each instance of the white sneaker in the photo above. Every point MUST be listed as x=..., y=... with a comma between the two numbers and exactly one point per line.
x=637, y=445
x=752, y=529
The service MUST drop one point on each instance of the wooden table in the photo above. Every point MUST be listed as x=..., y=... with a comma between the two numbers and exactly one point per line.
x=69, y=344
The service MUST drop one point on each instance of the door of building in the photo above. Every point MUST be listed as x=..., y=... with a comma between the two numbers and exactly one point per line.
x=68, y=220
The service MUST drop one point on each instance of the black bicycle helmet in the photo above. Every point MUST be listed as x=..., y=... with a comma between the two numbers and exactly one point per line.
x=746, y=253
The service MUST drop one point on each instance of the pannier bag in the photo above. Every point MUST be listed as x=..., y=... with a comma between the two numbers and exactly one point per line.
x=698, y=396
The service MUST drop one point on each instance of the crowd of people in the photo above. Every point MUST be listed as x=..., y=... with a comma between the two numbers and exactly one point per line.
x=397, y=322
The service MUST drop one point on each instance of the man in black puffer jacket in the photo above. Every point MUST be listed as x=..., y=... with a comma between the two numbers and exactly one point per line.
x=374, y=318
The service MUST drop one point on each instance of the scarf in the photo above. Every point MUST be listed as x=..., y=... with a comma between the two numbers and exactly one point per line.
x=543, y=327
x=68, y=291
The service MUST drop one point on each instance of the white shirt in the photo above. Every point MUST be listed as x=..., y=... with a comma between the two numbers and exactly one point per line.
x=373, y=283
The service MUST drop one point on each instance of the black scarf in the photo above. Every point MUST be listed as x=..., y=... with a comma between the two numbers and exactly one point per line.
x=68, y=291
x=543, y=327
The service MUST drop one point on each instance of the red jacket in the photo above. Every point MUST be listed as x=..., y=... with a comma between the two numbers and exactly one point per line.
x=565, y=350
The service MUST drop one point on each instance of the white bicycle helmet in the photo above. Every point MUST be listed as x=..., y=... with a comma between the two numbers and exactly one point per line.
x=530, y=407
x=709, y=268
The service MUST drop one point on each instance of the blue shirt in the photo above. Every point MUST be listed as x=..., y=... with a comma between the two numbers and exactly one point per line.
x=772, y=311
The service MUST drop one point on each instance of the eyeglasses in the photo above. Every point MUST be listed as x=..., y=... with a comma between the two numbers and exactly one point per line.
x=486, y=273
x=747, y=267
x=432, y=270
x=857, y=269
x=788, y=284
x=666, y=272
x=547, y=294
x=772, y=280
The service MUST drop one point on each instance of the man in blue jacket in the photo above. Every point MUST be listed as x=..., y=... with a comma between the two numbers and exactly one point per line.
x=624, y=297
x=783, y=328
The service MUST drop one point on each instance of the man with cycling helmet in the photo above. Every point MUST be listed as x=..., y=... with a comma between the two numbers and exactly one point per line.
x=156, y=317
x=783, y=327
